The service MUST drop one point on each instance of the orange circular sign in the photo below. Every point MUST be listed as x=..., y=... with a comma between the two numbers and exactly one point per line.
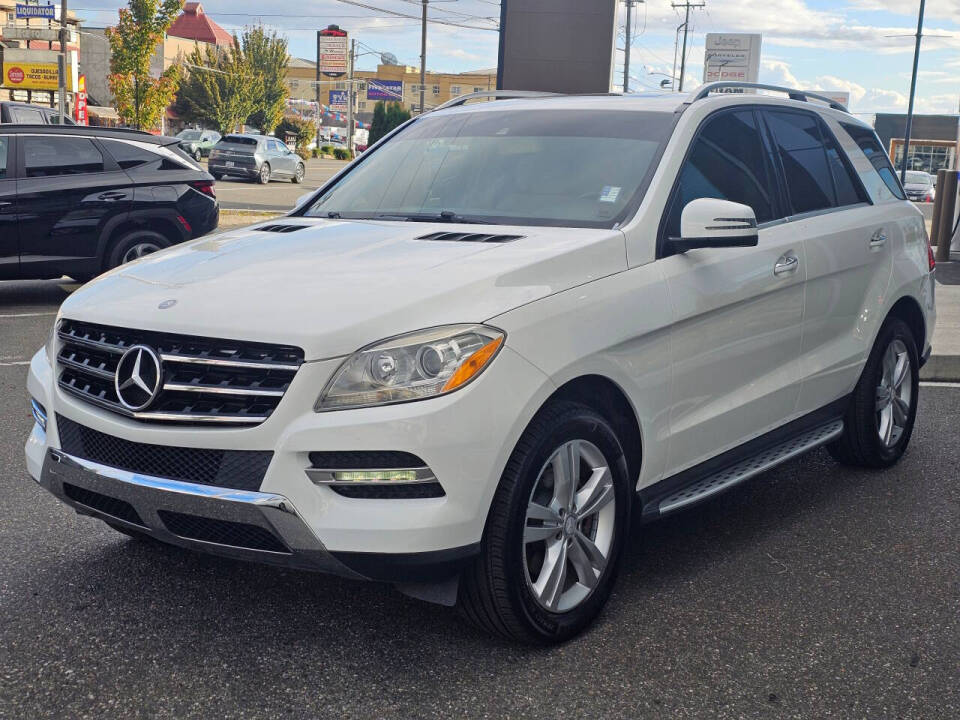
x=15, y=75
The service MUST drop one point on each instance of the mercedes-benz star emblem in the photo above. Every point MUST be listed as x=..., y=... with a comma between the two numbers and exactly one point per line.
x=138, y=379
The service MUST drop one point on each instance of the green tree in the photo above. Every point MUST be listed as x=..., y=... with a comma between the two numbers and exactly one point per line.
x=217, y=91
x=267, y=58
x=140, y=98
x=386, y=118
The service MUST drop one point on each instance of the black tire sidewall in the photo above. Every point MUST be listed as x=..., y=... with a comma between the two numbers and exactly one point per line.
x=129, y=240
x=864, y=408
x=579, y=423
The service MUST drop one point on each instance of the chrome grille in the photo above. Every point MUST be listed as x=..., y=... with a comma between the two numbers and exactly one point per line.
x=204, y=380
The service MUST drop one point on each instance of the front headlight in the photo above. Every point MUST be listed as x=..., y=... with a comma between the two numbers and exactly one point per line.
x=419, y=365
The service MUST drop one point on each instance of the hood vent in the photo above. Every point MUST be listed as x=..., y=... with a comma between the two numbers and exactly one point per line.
x=469, y=237
x=281, y=228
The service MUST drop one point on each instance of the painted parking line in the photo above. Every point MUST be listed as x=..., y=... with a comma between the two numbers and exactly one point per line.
x=28, y=314
x=934, y=383
x=13, y=363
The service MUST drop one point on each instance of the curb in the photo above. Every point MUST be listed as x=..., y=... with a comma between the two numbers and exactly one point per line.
x=942, y=368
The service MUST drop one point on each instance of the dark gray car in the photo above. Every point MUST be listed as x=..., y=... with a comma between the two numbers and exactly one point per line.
x=257, y=157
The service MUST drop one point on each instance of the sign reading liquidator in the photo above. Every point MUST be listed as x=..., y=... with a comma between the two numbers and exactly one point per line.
x=47, y=12
x=733, y=57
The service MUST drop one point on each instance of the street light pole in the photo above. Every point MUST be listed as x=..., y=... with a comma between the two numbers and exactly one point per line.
x=626, y=50
x=64, y=65
x=350, y=95
x=423, y=57
x=317, y=86
x=913, y=91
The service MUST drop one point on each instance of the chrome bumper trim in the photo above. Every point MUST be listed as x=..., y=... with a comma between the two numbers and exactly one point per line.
x=148, y=494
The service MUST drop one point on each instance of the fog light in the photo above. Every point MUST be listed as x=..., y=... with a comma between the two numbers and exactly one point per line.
x=326, y=476
x=39, y=414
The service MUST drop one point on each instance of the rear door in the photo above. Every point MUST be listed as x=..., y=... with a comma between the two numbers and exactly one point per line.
x=9, y=235
x=26, y=115
x=67, y=193
x=847, y=248
x=737, y=312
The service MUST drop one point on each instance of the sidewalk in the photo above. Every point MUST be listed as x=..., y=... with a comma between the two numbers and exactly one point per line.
x=944, y=363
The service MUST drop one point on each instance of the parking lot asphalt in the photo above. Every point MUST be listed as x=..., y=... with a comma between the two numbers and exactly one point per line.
x=812, y=591
x=278, y=195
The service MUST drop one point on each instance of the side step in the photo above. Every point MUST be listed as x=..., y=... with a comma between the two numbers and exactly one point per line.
x=751, y=466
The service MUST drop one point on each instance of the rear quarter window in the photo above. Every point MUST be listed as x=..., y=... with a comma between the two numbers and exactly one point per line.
x=877, y=174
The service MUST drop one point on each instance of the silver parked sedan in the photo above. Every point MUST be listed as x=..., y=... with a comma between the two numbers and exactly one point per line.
x=257, y=157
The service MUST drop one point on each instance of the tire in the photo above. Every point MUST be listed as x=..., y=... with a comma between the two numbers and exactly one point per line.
x=134, y=245
x=298, y=175
x=498, y=591
x=865, y=442
x=217, y=176
x=198, y=156
x=263, y=176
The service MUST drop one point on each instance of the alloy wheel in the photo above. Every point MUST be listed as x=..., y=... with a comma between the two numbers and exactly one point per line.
x=569, y=527
x=138, y=251
x=894, y=393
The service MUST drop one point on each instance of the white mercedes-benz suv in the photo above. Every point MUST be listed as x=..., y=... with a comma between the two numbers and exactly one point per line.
x=511, y=329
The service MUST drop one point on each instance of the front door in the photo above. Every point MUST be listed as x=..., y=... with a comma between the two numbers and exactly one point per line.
x=9, y=237
x=66, y=194
x=737, y=312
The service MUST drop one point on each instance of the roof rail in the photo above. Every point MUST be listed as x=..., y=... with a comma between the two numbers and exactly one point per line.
x=801, y=95
x=494, y=94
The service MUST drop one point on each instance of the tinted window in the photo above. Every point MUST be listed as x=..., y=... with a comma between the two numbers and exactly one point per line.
x=868, y=142
x=240, y=140
x=48, y=156
x=26, y=116
x=129, y=156
x=4, y=144
x=728, y=161
x=848, y=187
x=804, y=159
x=272, y=146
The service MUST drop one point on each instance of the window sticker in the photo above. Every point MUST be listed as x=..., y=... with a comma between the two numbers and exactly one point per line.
x=609, y=194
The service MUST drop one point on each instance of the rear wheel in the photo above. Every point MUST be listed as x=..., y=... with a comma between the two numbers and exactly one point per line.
x=554, y=538
x=879, y=422
x=264, y=176
x=135, y=245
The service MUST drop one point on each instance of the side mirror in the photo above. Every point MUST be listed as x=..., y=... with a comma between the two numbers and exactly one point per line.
x=712, y=223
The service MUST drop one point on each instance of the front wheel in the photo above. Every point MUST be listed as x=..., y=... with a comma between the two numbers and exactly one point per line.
x=264, y=176
x=298, y=175
x=879, y=422
x=197, y=155
x=554, y=537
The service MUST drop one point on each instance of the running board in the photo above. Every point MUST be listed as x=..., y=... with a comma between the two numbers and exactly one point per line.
x=751, y=466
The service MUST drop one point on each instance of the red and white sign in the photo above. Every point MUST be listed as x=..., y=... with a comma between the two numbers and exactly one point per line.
x=15, y=75
x=332, y=49
x=80, y=107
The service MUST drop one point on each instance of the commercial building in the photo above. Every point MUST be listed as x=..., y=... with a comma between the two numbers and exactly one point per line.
x=399, y=83
x=195, y=25
x=934, y=140
x=29, y=46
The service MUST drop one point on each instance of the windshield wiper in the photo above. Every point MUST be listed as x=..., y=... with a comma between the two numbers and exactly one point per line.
x=442, y=216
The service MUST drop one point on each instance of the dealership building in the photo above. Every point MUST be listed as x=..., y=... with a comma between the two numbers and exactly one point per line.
x=934, y=140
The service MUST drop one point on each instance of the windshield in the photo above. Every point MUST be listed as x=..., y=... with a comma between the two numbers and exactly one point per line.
x=919, y=178
x=577, y=168
x=190, y=135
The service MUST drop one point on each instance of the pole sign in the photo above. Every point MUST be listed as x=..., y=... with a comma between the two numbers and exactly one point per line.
x=80, y=107
x=37, y=69
x=734, y=57
x=30, y=12
x=338, y=100
x=838, y=96
x=389, y=90
x=332, y=48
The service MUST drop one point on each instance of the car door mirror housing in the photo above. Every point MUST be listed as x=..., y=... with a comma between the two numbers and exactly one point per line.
x=712, y=223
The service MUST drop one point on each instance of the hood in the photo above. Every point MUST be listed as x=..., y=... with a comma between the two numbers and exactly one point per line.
x=335, y=286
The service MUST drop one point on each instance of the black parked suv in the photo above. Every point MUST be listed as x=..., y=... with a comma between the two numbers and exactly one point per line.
x=78, y=201
x=26, y=114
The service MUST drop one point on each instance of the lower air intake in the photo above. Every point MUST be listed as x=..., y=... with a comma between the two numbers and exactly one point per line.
x=221, y=532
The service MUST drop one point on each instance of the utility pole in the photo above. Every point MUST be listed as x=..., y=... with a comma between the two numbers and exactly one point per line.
x=350, y=95
x=686, y=26
x=317, y=86
x=913, y=91
x=676, y=43
x=64, y=65
x=626, y=50
x=423, y=58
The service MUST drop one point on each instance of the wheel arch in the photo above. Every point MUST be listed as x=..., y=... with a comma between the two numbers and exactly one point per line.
x=908, y=309
x=158, y=222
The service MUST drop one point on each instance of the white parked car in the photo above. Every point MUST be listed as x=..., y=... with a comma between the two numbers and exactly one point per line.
x=469, y=362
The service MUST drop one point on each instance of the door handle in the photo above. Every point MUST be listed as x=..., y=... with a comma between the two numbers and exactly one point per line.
x=111, y=196
x=878, y=239
x=5, y=204
x=785, y=265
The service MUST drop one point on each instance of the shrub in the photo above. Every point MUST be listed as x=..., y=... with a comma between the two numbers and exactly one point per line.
x=342, y=154
x=326, y=149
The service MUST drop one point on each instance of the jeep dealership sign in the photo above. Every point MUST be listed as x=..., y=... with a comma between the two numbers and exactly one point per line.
x=734, y=57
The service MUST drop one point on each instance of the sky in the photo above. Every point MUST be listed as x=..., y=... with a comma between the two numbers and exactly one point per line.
x=861, y=46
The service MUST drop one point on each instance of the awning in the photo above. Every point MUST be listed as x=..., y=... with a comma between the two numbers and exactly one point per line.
x=104, y=113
